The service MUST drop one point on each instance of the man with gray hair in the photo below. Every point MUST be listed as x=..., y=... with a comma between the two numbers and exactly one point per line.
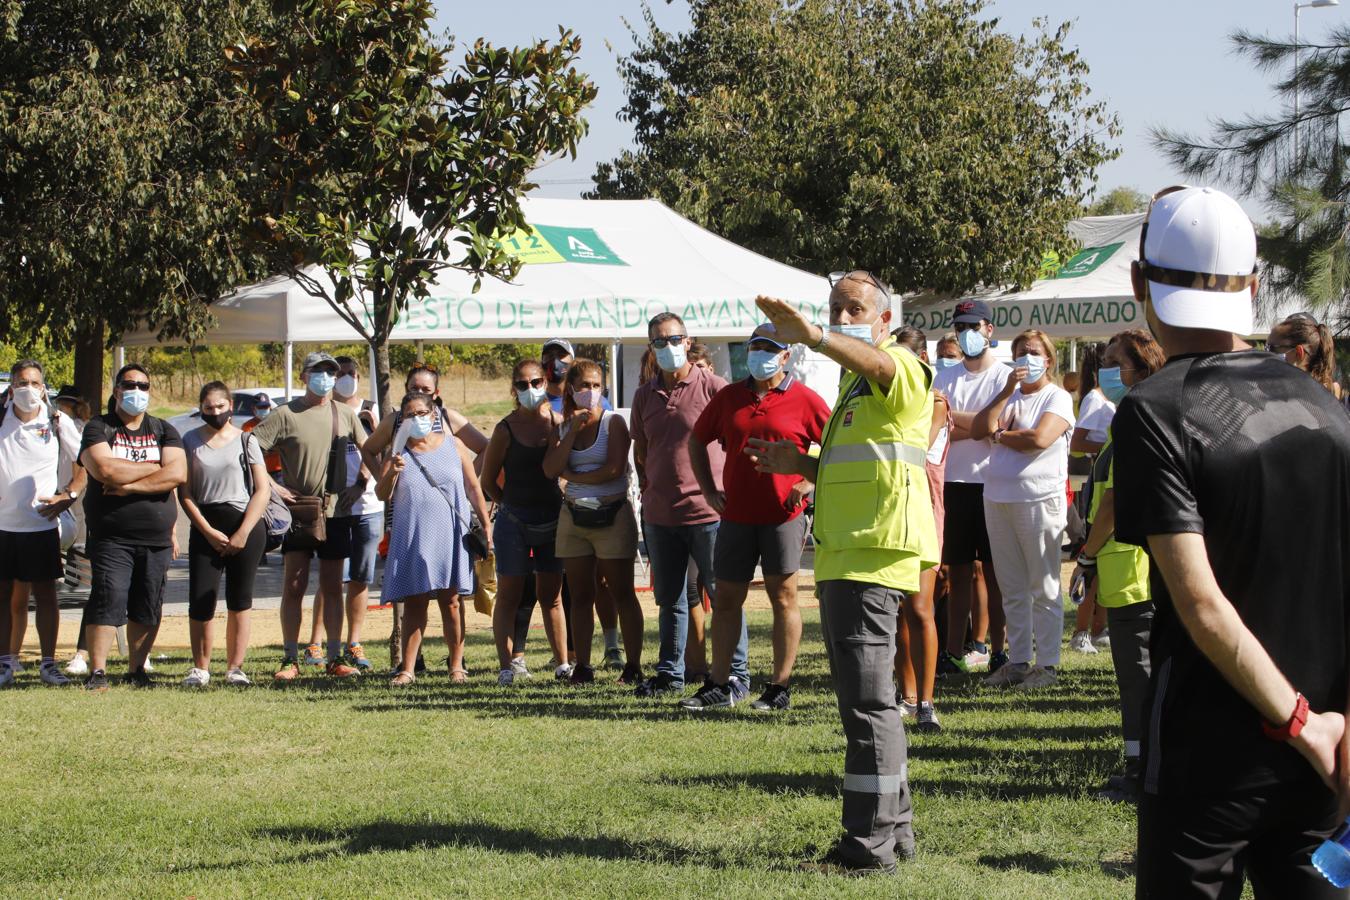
x=874, y=534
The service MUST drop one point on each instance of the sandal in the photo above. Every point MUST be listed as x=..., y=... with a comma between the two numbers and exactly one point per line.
x=402, y=679
x=459, y=676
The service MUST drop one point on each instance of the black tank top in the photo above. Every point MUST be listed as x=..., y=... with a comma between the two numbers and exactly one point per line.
x=525, y=481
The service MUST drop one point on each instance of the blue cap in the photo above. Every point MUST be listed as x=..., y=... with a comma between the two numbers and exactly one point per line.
x=762, y=332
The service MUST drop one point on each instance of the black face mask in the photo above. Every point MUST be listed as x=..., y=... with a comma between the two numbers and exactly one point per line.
x=216, y=420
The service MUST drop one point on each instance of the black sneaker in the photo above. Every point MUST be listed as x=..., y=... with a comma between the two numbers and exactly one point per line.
x=710, y=696
x=774, y=699
x=997, y=661
x=658, y=684
x=97, y=682
x=631, y=674
x=138, y=678
x=581, y=675
x=835, y=863
x=948, y=664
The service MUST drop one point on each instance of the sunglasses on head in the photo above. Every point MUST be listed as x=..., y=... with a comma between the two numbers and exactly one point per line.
x=422, y=367
x=661, y=342
x=128, y=384
x=1184, y=278
x=836, y=277
x=523, y=385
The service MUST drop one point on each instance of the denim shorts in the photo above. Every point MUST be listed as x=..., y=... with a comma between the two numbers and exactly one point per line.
x=366, y=534
x=512, y=542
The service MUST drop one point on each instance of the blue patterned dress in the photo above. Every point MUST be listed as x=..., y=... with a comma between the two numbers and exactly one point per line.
x=431, y=517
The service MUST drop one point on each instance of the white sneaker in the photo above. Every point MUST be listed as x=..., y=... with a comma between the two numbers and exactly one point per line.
x=563, y=672
x=147, y=667
x=908, y=710
x=6, y=676
x=1039, y=677
x=197, y=678
x=1081, y=642
x=1011, y=674
x=78, y=665
x=1103, y=640
x=975, y=659
x=237, y=678
x=52, y=675
x=505, y=678
x=518, y=667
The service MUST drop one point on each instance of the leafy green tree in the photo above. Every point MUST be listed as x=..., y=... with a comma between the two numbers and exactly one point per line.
x=119, y=181
x=1296, y=163
x=382, y=164
x=1118, y=201
x=908, y=137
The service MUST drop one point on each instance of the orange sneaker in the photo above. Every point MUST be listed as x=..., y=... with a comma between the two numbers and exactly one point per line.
x=289, y=671
x=339, y=669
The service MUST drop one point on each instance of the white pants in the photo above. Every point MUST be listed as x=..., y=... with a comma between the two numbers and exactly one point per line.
x=1025, y=539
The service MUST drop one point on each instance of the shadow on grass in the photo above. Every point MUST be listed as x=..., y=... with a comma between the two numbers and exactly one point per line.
x=1036, y=863
x=801, y=784
x=386, y=836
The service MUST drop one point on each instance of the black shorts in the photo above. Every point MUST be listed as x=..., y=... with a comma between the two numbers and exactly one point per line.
x=964, y=537
x=31, y=556
x=338, y=545
x=776, y=549
x=128, y=583
x=1197, y=846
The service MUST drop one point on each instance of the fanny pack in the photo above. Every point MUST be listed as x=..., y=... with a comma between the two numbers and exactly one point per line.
x=542, y=534
x=601, y=516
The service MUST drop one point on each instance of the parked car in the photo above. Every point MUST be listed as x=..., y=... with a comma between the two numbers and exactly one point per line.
x=243, y=408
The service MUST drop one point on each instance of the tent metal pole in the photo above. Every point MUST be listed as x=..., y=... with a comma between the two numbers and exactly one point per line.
x=1073, y=355
x=119, y=357
x=615, y=374
x=290, y=364
x=374, y=382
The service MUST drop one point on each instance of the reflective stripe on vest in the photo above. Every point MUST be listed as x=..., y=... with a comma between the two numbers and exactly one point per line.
x=874, y=784
x=873, y=452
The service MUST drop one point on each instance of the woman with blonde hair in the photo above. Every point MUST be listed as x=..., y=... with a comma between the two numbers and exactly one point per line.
x=1025, y=508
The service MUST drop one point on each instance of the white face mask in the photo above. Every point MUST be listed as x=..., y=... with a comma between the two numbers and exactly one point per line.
x=27, y=398
x=532, y=397
x=346, y=386
x=861, y=332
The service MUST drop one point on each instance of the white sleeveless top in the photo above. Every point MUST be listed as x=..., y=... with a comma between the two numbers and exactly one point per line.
x=594, y=457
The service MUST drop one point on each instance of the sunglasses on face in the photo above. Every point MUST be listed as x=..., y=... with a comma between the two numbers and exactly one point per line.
x=661, y=342
x=129, y=385
x=526, y=385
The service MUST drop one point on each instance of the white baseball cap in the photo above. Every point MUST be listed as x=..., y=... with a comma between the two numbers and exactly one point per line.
x=1198, y=254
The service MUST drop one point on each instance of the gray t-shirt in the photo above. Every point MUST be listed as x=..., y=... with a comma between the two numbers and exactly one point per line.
x=216, y=474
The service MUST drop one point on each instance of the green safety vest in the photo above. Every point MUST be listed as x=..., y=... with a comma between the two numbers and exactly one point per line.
x=871, y=486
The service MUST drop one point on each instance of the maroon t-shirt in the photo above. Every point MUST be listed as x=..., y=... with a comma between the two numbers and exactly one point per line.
x=789, y=412
x=665, y=419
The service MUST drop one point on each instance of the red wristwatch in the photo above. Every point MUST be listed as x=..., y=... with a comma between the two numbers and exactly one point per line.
x=1289, y=730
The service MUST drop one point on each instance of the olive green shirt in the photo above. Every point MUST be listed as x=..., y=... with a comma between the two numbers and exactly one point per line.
x=303, y=435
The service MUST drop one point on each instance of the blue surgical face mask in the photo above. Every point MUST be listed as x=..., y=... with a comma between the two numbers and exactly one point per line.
x=671, y=357
x=972, y=342
x=1035, y=366
x=1108, y=379
x=262, y=412
x=135, y=402
x=420, y=426
x=321, y=382
x=946, y=362
x=861, y=332
x=763, y=364
x=530, y=398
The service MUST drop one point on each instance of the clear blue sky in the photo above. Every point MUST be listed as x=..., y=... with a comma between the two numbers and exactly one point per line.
x=1155, y=62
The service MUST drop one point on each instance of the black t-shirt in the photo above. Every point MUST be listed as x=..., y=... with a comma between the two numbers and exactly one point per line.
x=1254, y=455
x=139, y=519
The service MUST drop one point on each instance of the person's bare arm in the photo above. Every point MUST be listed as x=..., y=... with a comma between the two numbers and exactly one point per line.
x=53, y=506
x=939, y=420
x=875, y=365
x=616, y=457
x=492, y=460
x=985, y=422
x=376, y=443
x=257, y=505
x=1079, y=442
x=389, y=477
x=555, y=460
x=702, y=466
x=169, y=474
x=473, y=491
x=1220, y=634
x=217, y=539
x=1049, y=429
x=782, y=458
x=113, y=471
x=463, y=429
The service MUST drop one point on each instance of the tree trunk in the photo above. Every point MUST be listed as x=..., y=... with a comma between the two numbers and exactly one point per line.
x=89, y=364
x=381, y=348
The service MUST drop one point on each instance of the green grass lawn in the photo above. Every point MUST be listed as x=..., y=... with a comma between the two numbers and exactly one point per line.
x=539, y=791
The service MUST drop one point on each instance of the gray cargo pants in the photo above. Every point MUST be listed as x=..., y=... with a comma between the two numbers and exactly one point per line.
x=857, y=621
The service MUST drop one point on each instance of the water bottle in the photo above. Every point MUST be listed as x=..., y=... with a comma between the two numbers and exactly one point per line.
x=1332, y=859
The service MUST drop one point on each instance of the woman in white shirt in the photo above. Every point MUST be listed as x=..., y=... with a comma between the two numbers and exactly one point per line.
x=1025, y=506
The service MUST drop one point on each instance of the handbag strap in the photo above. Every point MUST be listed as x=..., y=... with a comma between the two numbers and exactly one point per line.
x=431, y=481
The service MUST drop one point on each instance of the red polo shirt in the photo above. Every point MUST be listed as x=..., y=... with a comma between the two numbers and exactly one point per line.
x=664, y=419
x=792, y=412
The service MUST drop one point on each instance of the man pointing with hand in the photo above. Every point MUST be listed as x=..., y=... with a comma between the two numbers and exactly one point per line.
x=874, y=534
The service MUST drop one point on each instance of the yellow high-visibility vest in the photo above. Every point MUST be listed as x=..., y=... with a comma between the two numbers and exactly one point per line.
x=871, y=487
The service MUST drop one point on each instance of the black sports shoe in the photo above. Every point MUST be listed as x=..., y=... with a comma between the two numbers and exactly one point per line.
x=774, y=699
x=710, y=696
x=997, y=661
x=97, y=682
x=835, y=863
x=658, y=684
x=581, y=675
x=631, y=674
x=948, y=664
x=138, y=678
